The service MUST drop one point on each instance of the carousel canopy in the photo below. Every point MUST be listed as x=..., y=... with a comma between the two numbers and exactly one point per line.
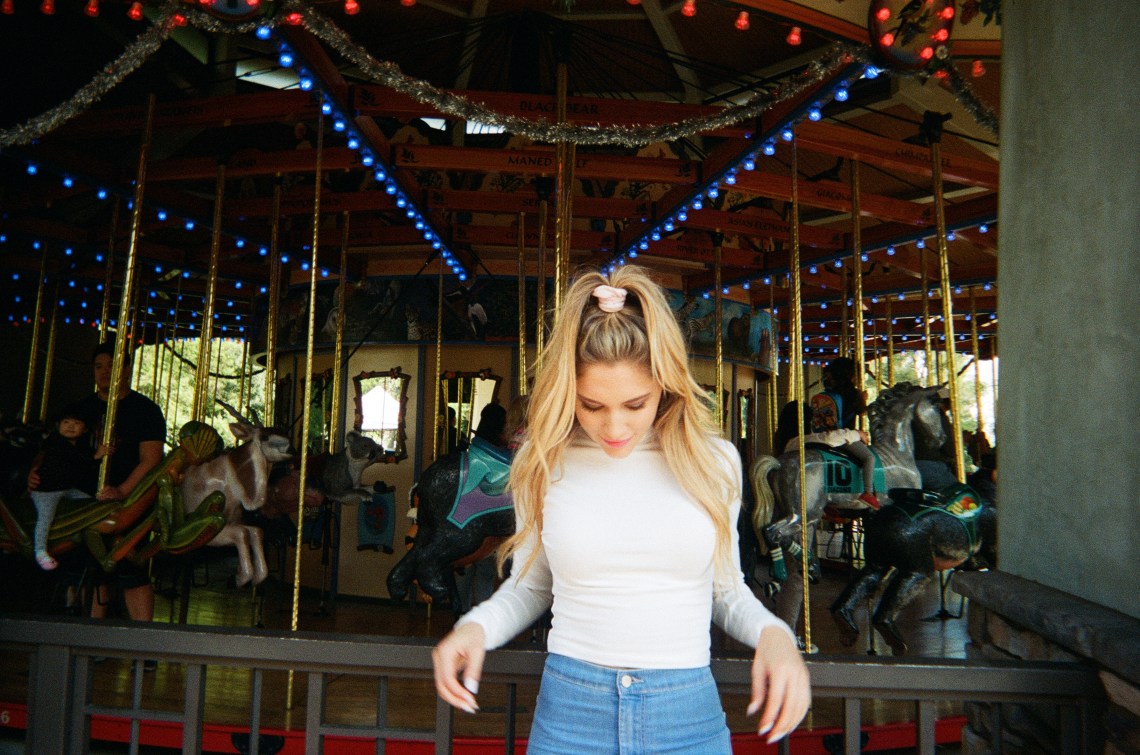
x=435, y=126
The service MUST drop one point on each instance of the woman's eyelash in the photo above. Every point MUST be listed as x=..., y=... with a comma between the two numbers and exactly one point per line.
x=631, y=407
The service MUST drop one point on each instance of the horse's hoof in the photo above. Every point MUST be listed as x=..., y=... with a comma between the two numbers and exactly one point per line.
x=892, y=636
x=848, y=629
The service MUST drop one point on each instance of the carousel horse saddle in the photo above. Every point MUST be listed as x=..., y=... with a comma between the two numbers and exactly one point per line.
x=958, y=501
x=483, y=473
x=843, y=473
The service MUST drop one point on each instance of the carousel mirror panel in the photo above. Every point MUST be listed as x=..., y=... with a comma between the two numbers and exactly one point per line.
x=381, y=401
x=462, y=397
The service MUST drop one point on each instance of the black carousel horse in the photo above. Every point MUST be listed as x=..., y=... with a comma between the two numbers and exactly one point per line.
x=464, y=512
x=919, y=534
x=900, y=416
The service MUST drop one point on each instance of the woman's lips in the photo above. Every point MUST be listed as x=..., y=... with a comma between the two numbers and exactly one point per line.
x=616, y=443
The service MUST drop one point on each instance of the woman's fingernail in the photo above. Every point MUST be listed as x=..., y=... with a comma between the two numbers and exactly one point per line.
x=775, y=737
x=752, y=708
x=765, y=729
x=472, y=685
x=469, y=709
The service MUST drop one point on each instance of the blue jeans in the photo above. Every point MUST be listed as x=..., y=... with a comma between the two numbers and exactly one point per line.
x=584, y=708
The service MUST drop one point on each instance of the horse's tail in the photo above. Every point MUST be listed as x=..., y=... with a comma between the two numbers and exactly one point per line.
x=762, y=493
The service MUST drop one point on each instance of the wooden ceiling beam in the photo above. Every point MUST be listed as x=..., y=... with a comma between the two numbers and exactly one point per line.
x=842, y=141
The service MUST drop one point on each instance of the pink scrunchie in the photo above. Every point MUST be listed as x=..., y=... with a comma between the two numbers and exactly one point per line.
x=610, y=299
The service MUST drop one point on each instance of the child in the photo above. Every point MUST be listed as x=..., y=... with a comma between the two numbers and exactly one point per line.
x=68, y=468
x=626, y=502
x=832, y=421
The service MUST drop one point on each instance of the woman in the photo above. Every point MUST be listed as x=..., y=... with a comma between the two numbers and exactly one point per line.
x=619, y=433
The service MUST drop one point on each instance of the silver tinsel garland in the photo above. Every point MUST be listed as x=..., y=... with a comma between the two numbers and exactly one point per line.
x=386, y=73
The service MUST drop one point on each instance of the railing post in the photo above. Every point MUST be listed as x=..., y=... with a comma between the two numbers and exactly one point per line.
x=924, y=726
x=78, y=726
x=192, y=707
x=443, y=718
x=47, y=706
x=314, y=712
x=852, y=726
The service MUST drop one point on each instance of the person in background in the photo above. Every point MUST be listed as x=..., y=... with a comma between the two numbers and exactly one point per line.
x=626, y=500
x=137, y=447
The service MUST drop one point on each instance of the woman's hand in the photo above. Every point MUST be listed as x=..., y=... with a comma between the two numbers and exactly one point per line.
x=460, y=654
x=780, y=682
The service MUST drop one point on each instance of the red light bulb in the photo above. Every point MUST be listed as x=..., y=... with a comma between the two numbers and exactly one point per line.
x=977, y=70
x=941, y=75
x=407, y=3
x=887, y=39
x=47, y=7
x=947, y=12
x=92, y=8
x=742, y=21
x=926, y=53
x=941, y=35
x=135, y=13
x=883, y=14
x=7, y=7
x=253, y=3
x=689, y=9
x=351, y=7
x=634, y=2
x=794, y=36
x=294, y=19
x=179, y=19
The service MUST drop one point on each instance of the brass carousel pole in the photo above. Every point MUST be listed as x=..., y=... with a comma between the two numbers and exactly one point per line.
x=202, y=378
x=274, y=307
x=845, y=311
x=30, y=387
x=242, y=375
x=797, y=357
x=440, y=400
x=774, y=348
x=857, y=273
x=53, y=324
x=181, y=364
x=564, y=197
x=128, y=288
x=718, y=239
x=170, y=347
x=540, y=277
x=890, y=346
x=522, y=387
x=338, y=350
x=947, y=307
x=306, y=412
x=977, y=361
x=105, y=312
x=928, y=354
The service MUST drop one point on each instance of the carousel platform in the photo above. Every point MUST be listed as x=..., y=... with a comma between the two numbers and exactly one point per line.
x=887, y=726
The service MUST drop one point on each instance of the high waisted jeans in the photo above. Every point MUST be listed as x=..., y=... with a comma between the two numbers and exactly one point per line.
x=583, y=708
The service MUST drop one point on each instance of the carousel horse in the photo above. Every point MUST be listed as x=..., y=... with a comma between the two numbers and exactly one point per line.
x=114, y=530
x=922, y=533
x=832, y=478
x=241, y=476
x=464, y=512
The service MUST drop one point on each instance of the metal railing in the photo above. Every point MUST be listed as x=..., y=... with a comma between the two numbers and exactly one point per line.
x=61, y=655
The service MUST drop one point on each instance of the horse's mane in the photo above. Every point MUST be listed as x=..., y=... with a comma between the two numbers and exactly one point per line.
x=888, y=402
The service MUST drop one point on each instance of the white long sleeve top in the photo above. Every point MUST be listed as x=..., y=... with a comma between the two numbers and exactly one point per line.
x=625, y=560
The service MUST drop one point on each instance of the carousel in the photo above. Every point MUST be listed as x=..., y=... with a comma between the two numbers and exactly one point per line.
x=329, y=239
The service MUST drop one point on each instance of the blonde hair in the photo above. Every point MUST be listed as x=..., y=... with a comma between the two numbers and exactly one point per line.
x=644, y=332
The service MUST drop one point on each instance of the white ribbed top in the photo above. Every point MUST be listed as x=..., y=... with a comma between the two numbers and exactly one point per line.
x=626, y=560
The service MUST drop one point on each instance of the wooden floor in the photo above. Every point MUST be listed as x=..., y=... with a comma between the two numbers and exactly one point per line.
x=352, y=700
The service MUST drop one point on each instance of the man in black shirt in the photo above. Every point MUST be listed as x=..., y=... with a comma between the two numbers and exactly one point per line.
x=140, y=432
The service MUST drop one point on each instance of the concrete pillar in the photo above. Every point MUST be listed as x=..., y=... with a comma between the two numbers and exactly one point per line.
x=1069, y=276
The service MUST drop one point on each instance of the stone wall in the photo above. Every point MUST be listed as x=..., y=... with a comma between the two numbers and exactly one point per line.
x=1011, y=618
